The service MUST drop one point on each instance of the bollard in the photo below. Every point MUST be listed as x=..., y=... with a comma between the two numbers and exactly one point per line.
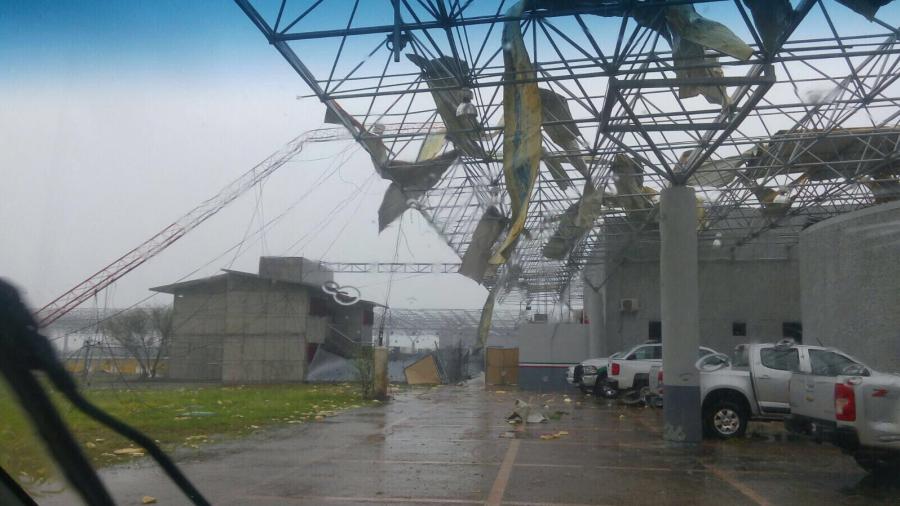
x=380, y=372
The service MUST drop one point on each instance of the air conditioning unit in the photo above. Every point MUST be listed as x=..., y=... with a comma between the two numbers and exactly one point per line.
x=539, y=318
x=628, y=305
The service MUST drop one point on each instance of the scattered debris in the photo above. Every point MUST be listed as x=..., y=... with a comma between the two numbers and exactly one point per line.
x=554, y=435
x=148, y=499
x=135, y=452
x=558, y=415
x=525, y=413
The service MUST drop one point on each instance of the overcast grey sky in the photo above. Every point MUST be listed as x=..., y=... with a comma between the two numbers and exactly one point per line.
x=106, y=139
x=118, y=117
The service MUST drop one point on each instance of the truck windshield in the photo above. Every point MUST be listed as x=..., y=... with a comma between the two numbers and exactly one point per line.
x=828, y=363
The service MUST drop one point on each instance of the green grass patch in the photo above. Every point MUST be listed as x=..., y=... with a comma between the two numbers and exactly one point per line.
x=175, y=416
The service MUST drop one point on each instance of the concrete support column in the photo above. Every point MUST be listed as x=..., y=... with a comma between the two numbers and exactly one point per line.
x=380, y=372
x=679, y=303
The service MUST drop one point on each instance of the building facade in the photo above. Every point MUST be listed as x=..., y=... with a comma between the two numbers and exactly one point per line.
x=239, y=327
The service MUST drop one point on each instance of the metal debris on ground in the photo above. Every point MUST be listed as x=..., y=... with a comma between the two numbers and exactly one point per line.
x=525, y=413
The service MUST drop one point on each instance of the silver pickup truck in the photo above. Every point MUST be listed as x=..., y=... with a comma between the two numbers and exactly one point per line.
x=751, y=385
x=842, y=401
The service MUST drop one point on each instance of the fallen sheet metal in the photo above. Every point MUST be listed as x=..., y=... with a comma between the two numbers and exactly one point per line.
x=521, y=130
x=444, y=76
x=475, y=261
x=524, y=412
x=423, y=372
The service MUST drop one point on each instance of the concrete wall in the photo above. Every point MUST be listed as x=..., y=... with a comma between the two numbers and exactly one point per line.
x=546, y=350
x=294, y=269
x=198, y=316
x=850, y=271
x=240, y=330
x=760, y=293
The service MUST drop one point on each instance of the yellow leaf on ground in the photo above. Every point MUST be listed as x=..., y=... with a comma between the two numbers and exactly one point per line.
x=148, y=499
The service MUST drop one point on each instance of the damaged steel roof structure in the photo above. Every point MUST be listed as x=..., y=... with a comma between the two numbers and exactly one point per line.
x=534, y=134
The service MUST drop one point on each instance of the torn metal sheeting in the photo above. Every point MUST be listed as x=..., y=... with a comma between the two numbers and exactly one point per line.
x=525, y=413
x=847, y=153
x=431, y=146
x=445, y=77
x=713, y=173
x=771, y=18
x=868, y=8
x=774, y=203
x=410, y=181
x=393, y=205
x=487, y=313
x=556, y=170
x=566, y=235
x=686, y=23
x=561, y=128
x=884, y=190
x=487, y=232
x=424, y=371
x=421, y=175
x=521, y=131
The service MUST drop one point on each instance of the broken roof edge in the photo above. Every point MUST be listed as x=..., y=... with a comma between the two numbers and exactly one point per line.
x=172, y=288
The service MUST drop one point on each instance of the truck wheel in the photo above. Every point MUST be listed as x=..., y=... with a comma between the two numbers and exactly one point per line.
x=725, y=420
x=877, y=465
x=604, y=389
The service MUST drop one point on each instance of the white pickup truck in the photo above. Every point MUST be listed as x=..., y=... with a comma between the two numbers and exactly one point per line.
x=590, y=376
x=753, y=385
x=850, y=405
x=631, y=370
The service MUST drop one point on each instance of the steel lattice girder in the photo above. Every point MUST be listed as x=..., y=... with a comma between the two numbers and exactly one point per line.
x=785, y=106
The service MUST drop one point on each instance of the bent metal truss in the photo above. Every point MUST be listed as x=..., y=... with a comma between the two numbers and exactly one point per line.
x=779, y=114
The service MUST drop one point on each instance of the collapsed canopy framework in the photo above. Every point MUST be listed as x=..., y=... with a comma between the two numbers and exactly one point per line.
x=779, y=114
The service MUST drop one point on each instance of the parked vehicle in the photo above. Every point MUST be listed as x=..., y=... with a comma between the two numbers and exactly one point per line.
x=751, y=386
x=631, y=371
x=585, y=376
x=857, y=409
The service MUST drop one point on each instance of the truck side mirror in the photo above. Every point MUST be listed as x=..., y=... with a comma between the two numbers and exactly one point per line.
x=856, y=370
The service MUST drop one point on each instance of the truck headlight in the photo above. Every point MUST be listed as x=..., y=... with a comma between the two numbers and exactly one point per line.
x=589, y=369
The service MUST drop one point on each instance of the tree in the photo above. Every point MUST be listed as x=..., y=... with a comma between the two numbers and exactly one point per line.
x=144, y=333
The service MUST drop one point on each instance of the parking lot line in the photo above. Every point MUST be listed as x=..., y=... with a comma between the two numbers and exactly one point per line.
x=499, y=487
x=748, y=492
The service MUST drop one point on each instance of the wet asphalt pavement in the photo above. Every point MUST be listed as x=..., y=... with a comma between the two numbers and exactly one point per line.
x=444, y=446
